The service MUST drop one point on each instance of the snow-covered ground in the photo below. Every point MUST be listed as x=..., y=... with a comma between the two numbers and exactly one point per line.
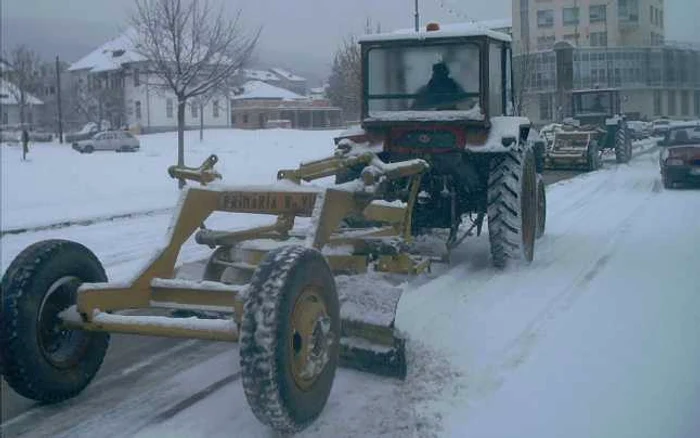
x=58, y=184
x=597, y=338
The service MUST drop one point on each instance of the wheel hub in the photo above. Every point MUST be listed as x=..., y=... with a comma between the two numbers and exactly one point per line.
x=60, y=346
x=311, y=338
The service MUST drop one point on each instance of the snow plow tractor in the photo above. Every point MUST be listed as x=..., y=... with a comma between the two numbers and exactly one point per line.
x=437, y=151
x=596, y=127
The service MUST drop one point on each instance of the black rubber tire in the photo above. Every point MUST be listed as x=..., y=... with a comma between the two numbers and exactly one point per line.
x=623, y=144
x=88, y=149
x=26, y=282
x=266, y=338
x=593, y=158
x=541, y=206
x=668, y=182
x=512, y=207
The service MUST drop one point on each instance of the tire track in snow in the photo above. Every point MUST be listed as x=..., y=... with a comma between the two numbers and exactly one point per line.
x=88, y=221
x=603, y=208
x=193, y=399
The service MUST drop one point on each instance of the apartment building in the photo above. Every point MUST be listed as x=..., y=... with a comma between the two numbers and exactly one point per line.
x=538, y=24
x=618, y=44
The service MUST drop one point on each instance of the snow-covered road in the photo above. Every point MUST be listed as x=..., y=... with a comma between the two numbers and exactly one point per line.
x=599, y=337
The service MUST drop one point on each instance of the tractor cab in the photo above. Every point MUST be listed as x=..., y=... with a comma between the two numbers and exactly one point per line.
x=458, y=74
x=595, y=107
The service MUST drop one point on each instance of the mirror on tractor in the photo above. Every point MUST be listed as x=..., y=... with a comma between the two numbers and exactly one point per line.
x=461, y=71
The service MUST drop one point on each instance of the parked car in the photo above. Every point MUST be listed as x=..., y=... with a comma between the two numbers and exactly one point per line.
x=119, y=141
x=660, y=127
x=679, y=159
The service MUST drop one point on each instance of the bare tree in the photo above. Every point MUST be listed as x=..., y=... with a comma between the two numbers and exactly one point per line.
x=101, y=99
x=523, y=73
x=345, y=81
x=191, y=49
x=24, y=73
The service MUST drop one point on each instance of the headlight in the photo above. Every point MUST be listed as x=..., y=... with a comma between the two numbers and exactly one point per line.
x=674, y=162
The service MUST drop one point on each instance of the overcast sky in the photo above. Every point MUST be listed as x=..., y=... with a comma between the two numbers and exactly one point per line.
x=311, y=27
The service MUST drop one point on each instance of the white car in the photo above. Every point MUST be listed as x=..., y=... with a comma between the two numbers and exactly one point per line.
x=119, y=141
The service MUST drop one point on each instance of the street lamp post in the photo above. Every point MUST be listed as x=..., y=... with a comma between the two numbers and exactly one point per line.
x=416, y=16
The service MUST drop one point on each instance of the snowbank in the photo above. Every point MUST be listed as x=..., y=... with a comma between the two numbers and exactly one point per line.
x=58, y=184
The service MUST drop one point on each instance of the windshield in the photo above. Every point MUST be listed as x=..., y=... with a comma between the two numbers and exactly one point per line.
x=682, y=136
x=593, y=103
x=427, y=78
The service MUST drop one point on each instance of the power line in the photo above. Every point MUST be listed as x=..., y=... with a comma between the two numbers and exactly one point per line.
x=445, y=6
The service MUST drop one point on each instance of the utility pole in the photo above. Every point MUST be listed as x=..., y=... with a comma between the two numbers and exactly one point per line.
x=417, y=17
x=58, y=101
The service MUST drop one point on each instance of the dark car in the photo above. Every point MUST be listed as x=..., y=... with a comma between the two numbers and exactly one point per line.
x=680, y=156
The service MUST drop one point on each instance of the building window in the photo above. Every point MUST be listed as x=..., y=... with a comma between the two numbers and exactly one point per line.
x=599, y=39
x=137, y=108
x=545, y=18
x=245, y=118
x=545, y=42
x=657, y=103
x=685, y=103
x=261, y=120
x=215, y=109
x=545, y=107
x=628, y=10
x=671, y=103
x=137, y=78
x=652, y=15
x=697, y=103
x=572, y=38
x=193, y=110
x=661, y=19
x=598, y=14
x=570, y=16
x=5, y=117
x=169, y=108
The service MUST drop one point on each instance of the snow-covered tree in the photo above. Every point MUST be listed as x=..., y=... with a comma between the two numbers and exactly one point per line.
x=23, y=70
x=191, y=48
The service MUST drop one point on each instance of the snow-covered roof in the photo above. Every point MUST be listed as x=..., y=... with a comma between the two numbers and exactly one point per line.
x=446, y=31
x=110, y=55
x=259, y=75
x=261, y=90
x=9, y=94
x=287, y=75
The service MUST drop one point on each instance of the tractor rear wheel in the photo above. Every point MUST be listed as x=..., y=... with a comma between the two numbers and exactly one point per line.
x=40, y=359
x=593, y=159
x=290, y=338
x=512, y=207
x=541, y=206
x=623, y=144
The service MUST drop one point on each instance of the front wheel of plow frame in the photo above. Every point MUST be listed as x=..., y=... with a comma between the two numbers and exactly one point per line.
x=512, y=207
x=41, y=360
x=290, y=338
